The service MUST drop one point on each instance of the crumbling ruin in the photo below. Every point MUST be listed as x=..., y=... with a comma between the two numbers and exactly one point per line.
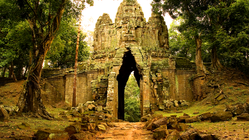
x=129, y=44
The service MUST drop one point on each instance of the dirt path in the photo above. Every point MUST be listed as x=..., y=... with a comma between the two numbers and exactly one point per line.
x=126, y=131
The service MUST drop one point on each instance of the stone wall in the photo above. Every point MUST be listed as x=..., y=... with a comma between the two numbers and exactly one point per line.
x=129, y=44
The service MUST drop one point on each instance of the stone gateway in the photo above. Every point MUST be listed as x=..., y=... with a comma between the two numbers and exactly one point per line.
x=130, y=44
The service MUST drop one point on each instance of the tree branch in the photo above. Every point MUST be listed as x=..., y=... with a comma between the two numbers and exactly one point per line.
x=34, y=12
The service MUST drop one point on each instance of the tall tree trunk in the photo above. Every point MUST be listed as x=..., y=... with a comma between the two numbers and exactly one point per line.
x=75, y=66
x=215, y=62
x=200, y=68
x=4, y=70
x=30, y=100
x=10, y=71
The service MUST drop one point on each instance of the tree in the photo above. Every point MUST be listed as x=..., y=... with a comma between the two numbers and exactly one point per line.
x=192, y=11
x=230, y=32
x=62, y=51
x=181, y=44
x=209, y=19
x=44, y=18
x=14, y=39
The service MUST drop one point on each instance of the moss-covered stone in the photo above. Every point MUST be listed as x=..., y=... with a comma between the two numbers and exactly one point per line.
x=183, y=63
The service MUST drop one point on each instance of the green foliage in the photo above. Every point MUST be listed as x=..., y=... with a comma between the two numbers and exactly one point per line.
x=15, y=38
x=221, y=25
x=62, y=50
x=232, y=36
x=132, y=100
x=16, y=41
x=181, y=44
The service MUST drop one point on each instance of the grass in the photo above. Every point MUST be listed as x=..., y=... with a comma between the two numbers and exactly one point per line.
x=9, y=128
x=226, y=130
x=194, y=108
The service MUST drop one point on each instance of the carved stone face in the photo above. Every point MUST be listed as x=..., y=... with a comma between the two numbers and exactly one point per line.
x=129, y=11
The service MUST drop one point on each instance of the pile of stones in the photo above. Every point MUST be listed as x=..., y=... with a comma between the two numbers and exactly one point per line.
x=239, y=110
x=7, y=111
x=88, y=108
x=170, y=128
x=85, y=129
x=93, y=119
x=169, y=104
x=176, y=128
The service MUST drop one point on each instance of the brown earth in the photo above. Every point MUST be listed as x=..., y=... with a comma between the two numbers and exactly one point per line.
x=126, y=131
x=233, y=85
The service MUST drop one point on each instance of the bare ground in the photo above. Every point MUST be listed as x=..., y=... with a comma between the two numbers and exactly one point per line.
x=126, y=131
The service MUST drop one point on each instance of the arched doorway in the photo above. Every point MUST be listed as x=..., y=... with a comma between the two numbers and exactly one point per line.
x=128, y=65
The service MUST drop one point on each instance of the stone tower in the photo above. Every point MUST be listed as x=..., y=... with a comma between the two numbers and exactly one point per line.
x=131, y=44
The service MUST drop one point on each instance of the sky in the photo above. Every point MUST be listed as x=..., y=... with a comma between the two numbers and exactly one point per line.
x=91, y=14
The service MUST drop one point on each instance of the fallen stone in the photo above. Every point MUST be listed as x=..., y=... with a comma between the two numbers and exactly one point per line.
x=161, y=107
x=196, y=112
x=89, y=102
x=185, y=103
x=238, y=109
x=182, y=127
x=62, y=113
x=85, y=119
x=149, y=124
x=243, y=117
x=182, y=118
x=206, y=116
x=91, y=107
x=24, y=126
x=246, y=107
x=72, y=129
x=221, y=97
x=75, y=113
x=160, y=132
x=157, y=123
x=80, y=105
x=82, y=136
x=184, y=114
x=102, y=127
x=4, y=116
x=81, y=110
x=222, y=116
x=176, y=103
x=192, y=119
x=191, y=134
x=99, y=108
x=175, y=135
x=145, y=118
x=51, y=135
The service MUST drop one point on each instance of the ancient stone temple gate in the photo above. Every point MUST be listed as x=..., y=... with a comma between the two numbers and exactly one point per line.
x=129, y=44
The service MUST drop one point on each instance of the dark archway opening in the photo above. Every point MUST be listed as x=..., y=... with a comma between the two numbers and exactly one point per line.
x=128, y=65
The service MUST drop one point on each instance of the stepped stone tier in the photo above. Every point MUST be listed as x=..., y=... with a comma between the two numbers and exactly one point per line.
x=130, y=44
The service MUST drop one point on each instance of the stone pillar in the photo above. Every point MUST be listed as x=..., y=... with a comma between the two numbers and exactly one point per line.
x=145, y=85
x=111, y=99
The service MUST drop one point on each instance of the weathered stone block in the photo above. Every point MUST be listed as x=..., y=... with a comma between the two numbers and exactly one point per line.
x=4, y=116
x=222, y=116
x=243, y=117
x=160, y=132
x=72, y=129
x=51, y=135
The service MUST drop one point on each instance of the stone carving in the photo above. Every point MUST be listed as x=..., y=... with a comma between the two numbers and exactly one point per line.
x=132, y=44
